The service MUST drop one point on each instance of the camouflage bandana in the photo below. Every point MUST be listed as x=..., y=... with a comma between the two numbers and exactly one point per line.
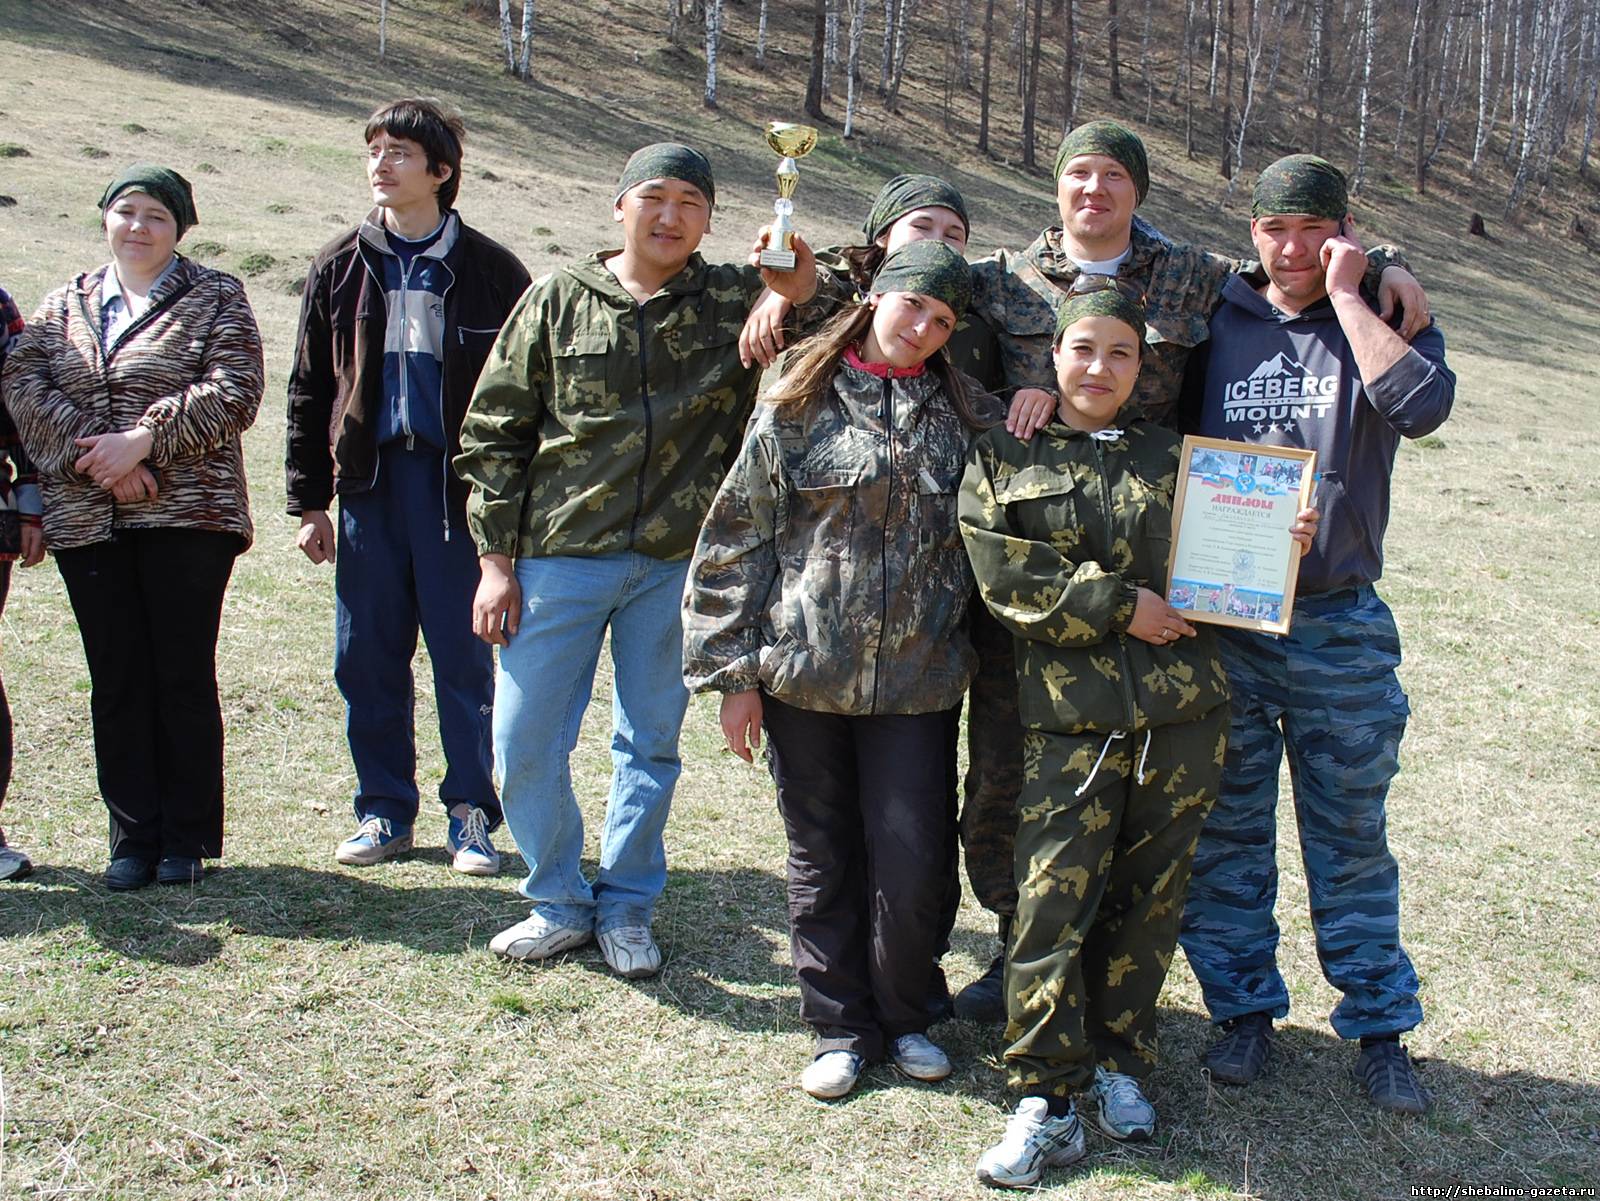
x=159, y=183
x=1104, y=302
x=906, y=193
x=667, y=160
x=1112, y=140
x=929, y=268
x=1301, y=185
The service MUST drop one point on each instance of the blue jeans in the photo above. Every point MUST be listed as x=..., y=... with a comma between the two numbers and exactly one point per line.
x=396, y=572
x=1326, y=694
x=543, y=687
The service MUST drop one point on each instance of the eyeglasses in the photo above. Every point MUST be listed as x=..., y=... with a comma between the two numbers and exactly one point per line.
x=1088, y=283
x=394, y=156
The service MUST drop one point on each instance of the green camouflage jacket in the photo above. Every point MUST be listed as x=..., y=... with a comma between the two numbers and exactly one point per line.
x=830, y=569
x=1017, y=295
x=1062, y=531
x=600, y=425
x=973, y=348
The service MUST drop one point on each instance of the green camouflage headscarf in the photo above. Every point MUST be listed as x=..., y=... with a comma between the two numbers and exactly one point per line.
x=162, y=183
x=906, y=193
x=1112, y=140
x=1108, y=302
x=929, y=268
x=668, y=160
x=1301, y=184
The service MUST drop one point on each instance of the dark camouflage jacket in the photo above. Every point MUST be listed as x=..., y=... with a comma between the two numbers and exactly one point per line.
x=830, y=570
x=600, y=425
x=973, y=348
x=1062, y=531
x=1017, y=295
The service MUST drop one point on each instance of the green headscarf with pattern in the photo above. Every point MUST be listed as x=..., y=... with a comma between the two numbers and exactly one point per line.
x=1112, y=140
x=929, y=268
x=1301, y=185
x=906, y=193
x=161, y=183
x=1106, y=302
x=667, y=160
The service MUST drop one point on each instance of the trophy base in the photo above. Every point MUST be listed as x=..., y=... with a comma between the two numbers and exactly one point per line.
x=778, y=260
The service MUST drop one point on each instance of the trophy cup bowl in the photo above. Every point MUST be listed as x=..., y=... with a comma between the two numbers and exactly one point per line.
x=790, y=142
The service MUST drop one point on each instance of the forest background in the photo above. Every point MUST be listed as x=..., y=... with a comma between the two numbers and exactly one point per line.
x=293, y=1029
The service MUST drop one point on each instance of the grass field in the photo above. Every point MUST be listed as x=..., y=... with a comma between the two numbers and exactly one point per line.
x=293, y=1029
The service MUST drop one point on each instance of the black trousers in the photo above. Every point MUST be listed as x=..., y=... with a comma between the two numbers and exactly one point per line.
x=868, y=807
x=148, y=605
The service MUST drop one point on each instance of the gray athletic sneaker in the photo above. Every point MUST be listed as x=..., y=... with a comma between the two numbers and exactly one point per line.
x=1033, y=1142
x=1123, y=1111
x=13, y=863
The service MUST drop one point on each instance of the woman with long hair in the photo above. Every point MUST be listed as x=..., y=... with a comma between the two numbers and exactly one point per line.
x=827, y=601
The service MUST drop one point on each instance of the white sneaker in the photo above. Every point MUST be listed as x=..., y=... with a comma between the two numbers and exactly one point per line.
x=537, y=938
x=631, y=952
x=468, y=841
x=832, y=1074
x=919, y=1058
x=1033, y=1142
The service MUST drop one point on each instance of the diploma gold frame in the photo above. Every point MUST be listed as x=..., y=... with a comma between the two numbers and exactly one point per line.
x=1233, y=562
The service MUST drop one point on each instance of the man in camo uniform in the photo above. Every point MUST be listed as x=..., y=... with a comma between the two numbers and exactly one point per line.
x=1304, y=361
x=1102, y=175
x=611, y=405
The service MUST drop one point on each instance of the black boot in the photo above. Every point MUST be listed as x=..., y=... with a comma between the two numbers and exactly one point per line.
x=984, y=1000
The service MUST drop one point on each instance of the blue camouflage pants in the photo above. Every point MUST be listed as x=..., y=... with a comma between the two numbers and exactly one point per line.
x=1326, y=693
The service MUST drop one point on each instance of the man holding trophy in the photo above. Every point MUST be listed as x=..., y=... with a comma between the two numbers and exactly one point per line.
x=601, y=427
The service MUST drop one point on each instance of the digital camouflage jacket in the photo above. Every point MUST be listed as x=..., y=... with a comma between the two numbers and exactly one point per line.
x=601, y=425
x=1017, y=295
x=830, y=570
x=1062, y=531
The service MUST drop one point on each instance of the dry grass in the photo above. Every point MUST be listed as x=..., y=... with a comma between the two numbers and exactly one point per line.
x=292, y=1029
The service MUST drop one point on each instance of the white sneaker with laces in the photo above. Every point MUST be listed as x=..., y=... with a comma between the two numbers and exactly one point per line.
x=1123, y=1111
x=631, y=952
x=1033, y=1142
x=468, y=842
x=537, y=937
x=918, y=1057
x=832, y=1074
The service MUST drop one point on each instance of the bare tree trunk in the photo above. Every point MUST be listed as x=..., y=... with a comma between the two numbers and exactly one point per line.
x=983, y=104
x=1188, y=79
x=830, y=46
x=505, y=37
x=858, y=22
x=1113, y=29
x=1144, y=65
x=674, y=13
x=891, y=12
x=1516, y=82
x=713, y=40
x=525, y=59
x=1423, y=58
x=383, y=28
x=1069, y=69
x=1364, y=121
x=964, y=43
x=761, y=36
x=1319, y=68
x=1594, y=96
x=1214, y=12
x=1030, y=100
x=1227, y=104
x=1258, y=34
x=1410, y=75
x=819, y=29
x=902, y=44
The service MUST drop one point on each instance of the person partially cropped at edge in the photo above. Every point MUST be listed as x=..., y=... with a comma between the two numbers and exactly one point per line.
x=827, y=602
x=396, y=320
x=1326, y=692
x=1125, y=708
x=610, y=407
x=132, y=387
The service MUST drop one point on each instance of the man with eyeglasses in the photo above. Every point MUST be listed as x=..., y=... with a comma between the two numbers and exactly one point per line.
x=1302, y=360
x=397, y=318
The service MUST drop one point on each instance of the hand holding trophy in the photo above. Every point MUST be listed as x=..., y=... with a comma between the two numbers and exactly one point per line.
x=789, y=142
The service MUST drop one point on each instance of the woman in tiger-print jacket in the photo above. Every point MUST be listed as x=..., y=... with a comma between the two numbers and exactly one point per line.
x=131, y=387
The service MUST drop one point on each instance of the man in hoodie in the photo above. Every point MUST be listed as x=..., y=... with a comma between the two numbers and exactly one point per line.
x=397, y=318
x=611, y=406
x=1302, y=360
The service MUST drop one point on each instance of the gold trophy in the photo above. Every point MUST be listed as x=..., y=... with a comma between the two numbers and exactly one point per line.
x=790, y=142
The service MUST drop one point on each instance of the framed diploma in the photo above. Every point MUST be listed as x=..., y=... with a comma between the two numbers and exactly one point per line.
x=1233, y=562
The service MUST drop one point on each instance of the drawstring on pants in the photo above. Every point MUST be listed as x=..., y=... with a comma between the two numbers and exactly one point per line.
x=1110, y=738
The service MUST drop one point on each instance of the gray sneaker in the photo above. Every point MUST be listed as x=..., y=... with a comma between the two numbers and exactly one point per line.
x=631, y=952
x=537, y=937
x=375, y=839
x=13, y=863
x=1386, y=1072
x=1124, y=1112
x=1033, y=1142
x=918, y=1057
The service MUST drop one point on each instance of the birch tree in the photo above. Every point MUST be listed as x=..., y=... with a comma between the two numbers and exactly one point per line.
x=819, y=29
x=1364, y=118
x=988, y=51
x=525, y=59
x=1030, y=99
x=713, y=40
x=761, y=35
x=858, y=26
x=383, y=28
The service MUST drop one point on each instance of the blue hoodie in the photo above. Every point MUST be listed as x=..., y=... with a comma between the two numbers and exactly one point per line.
x=1290, y=379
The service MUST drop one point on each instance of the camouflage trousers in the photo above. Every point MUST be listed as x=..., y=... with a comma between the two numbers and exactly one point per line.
x=994, y=765
x=1326, y=693
x=1106, y=834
